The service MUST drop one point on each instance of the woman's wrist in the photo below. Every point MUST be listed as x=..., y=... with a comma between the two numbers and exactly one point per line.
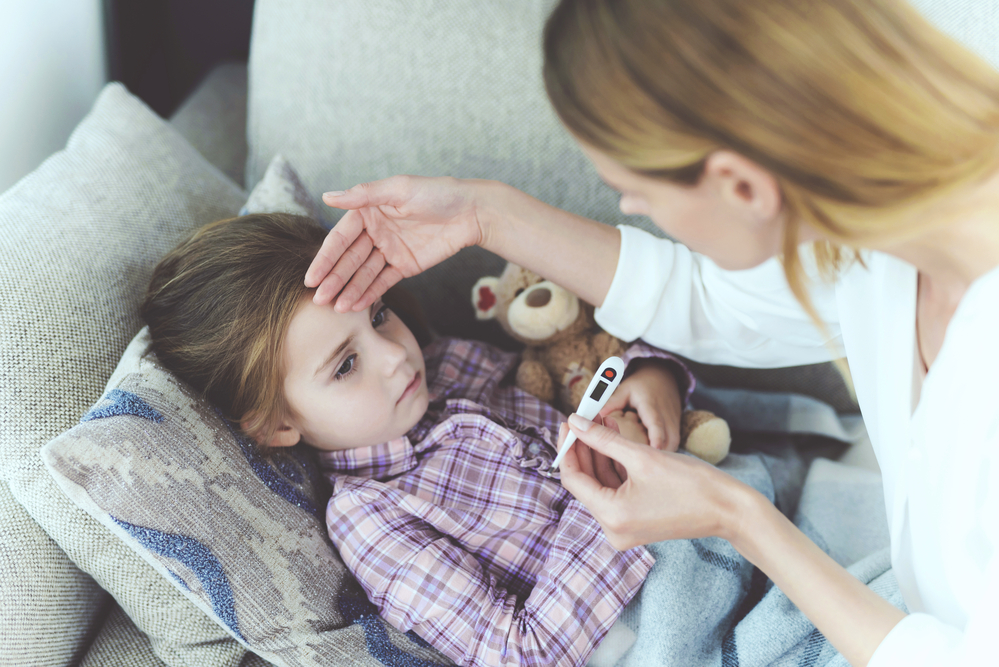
x=744, y=511
x=500, y=229
x=525, y=231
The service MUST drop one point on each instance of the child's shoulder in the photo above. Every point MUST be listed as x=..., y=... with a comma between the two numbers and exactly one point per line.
x=451, y=361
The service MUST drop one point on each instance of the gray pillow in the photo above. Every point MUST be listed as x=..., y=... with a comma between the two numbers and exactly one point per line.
x=79, y=237
x=241, y=535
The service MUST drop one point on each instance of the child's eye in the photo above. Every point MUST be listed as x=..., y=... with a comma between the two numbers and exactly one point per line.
x=380, y=317
x=346, y=368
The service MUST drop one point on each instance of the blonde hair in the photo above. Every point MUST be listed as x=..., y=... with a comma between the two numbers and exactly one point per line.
x=862, y=110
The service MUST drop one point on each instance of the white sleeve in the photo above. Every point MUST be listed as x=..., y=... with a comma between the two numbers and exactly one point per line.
x=681, y=301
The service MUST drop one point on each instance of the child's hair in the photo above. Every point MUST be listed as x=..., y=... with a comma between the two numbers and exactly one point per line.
x=219, y=304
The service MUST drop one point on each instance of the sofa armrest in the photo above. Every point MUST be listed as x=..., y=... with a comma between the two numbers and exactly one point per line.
x=213, y=118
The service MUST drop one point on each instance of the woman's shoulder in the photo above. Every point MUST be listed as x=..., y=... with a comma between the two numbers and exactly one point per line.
x=964, y=379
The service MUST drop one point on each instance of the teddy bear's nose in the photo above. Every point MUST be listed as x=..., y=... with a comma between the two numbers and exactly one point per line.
x=539, y=297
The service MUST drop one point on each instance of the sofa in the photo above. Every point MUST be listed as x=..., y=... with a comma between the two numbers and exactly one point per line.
x=347, y=92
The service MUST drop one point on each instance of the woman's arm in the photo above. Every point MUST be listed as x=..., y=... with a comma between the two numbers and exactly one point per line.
x=646, y=287
x=671, y=496
x=400, y=226
x=850, y=615
x=573, y=252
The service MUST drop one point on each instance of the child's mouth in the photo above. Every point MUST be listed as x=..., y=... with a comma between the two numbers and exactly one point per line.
x=411, y=387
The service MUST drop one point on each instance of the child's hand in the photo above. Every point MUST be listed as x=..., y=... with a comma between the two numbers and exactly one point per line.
x=651, y=390
x=627, y=424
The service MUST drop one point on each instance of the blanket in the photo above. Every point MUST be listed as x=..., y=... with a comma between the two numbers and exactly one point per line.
x=703, y=603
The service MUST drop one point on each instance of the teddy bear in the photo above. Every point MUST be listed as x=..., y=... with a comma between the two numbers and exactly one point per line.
x=564, y=347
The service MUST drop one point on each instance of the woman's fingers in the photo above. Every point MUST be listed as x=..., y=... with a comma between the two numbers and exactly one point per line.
x=388, y=191
x=585, y=488
x=344, y=269
x=360, y=281
x=607, y=442
x=618, y=401
x=336, y=243
x=388, y=276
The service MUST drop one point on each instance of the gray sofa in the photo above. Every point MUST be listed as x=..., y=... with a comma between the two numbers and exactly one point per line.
x=348, y=92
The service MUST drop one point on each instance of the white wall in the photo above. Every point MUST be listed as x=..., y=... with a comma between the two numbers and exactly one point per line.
x=51, y=69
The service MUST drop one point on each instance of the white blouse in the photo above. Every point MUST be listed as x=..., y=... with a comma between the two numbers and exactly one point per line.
x=939, y=461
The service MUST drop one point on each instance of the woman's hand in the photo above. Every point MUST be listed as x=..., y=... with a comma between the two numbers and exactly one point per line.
x=652, y=391
x=664, y=495
x=395, y=228
x=605, y=470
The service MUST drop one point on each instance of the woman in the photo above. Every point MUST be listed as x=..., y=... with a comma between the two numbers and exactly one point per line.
x=849, y=139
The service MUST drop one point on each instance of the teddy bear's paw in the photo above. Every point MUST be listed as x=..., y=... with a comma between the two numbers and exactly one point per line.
x=576, y=380
x=706, y=435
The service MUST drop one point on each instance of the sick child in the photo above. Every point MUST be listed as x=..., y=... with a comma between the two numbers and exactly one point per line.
x=444, y=505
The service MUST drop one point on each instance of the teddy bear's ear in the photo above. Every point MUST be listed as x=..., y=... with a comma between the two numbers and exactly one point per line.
x=484, y=298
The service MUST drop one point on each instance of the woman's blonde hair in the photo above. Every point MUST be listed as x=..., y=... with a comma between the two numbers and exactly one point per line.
x=861, y=109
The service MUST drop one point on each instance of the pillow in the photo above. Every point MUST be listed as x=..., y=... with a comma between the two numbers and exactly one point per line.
x=78, y=239
x=281, y=191
x=241, y=535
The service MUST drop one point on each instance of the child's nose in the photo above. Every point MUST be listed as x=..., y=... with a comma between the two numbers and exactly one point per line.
x=394, y=355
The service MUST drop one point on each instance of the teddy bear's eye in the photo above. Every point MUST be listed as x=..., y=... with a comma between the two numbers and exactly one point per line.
x=518, y=292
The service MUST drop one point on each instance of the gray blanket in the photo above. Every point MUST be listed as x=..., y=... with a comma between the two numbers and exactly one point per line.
x=703, y=603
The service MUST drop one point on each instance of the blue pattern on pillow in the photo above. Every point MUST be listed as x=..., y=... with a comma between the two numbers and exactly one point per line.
x=362, y=612
x=269, y=476
x=119, y=402
x=199, y=559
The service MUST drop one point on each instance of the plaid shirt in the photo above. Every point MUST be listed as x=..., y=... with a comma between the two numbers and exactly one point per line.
x=459, y=531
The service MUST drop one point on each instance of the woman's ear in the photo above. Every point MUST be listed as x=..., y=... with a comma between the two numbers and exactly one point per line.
x=744, y=184
x=285, y=435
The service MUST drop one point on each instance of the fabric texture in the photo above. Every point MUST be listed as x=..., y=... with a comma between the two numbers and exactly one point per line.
x=213, y=119
x=240, y=535
x=458, y=531
x=50, y=607
x=121, y=643
x=973, y=23
x=79, y=237
x=281, y=191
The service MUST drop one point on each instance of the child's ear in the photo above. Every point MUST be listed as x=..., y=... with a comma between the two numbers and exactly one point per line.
x=285, y=435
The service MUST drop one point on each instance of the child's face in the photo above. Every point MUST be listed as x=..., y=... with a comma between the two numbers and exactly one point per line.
x=352, y=379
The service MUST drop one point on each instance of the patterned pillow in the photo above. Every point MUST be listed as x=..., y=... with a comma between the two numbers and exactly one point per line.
x=242, y=535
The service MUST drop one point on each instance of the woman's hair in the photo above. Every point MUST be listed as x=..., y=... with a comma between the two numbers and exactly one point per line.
x=219, y=304
x=861, y=109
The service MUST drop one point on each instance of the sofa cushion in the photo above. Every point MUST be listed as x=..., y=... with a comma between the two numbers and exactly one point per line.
x=213, y=119
x=79, y=237
x=50, y=607
x=240, y=534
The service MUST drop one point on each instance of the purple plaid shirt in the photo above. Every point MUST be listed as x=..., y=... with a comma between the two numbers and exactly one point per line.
x=459, y=531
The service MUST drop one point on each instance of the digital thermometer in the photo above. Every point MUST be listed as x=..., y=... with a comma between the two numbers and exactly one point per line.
x=603, y=384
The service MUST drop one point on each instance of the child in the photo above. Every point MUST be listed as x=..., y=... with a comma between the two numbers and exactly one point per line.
x=444, y=505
